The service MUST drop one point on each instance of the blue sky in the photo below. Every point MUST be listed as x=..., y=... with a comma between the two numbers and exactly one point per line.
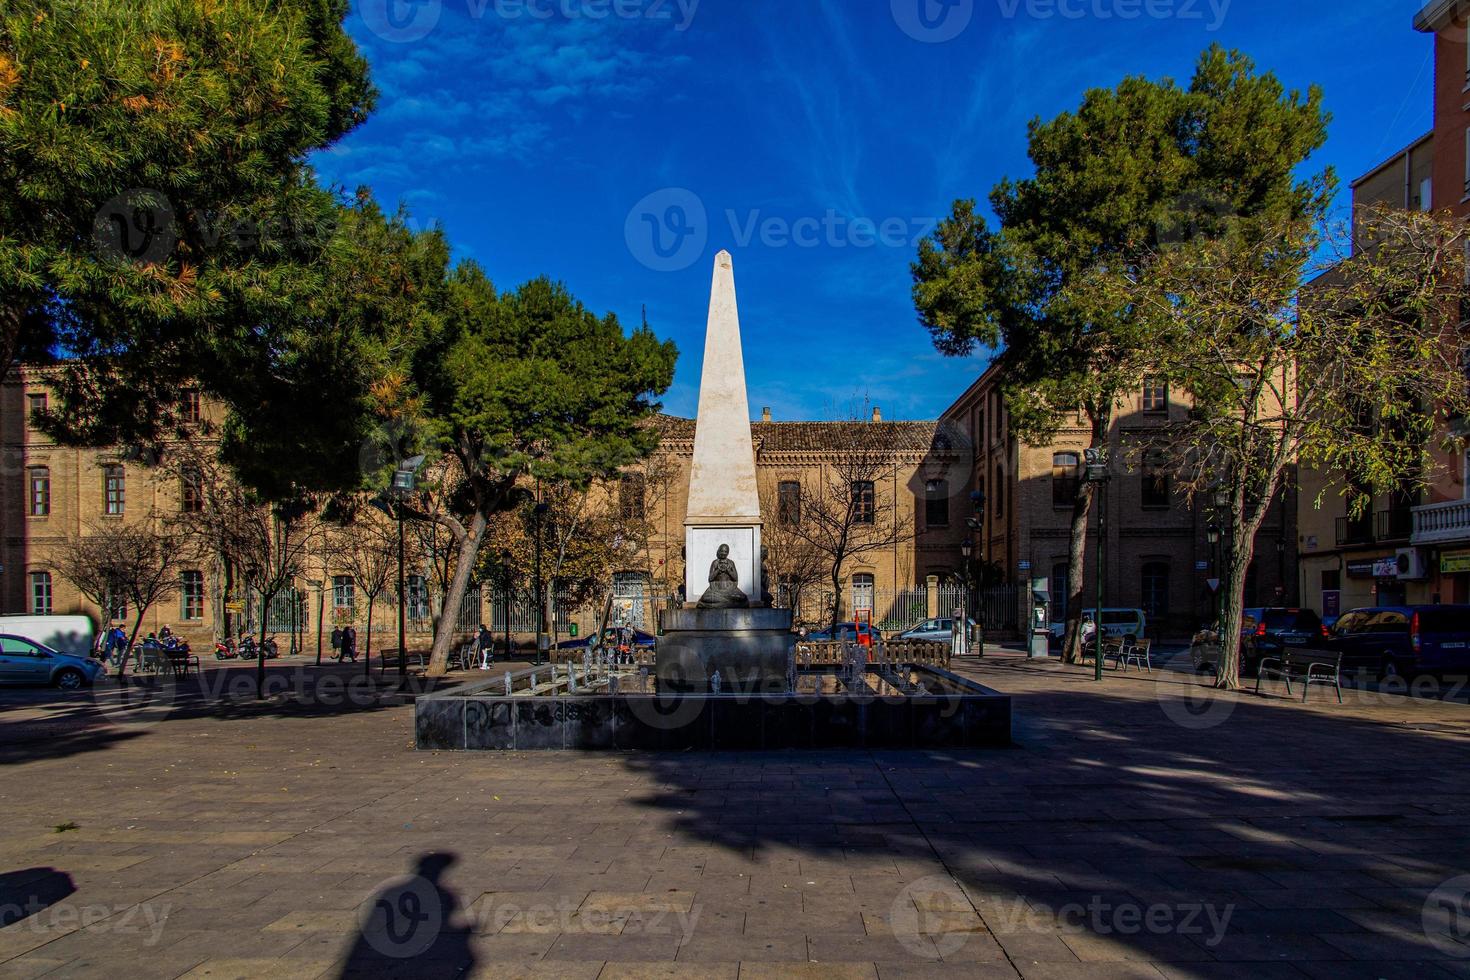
x=617, y=145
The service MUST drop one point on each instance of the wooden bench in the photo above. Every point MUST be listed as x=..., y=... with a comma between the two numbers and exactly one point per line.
x=393, y=655
x=1311, y=666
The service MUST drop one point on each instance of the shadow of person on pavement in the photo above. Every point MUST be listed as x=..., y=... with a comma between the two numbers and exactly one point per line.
x=31, y=890
x=411, y=927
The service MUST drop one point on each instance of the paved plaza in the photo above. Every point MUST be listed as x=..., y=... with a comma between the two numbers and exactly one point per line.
x=1144, y=827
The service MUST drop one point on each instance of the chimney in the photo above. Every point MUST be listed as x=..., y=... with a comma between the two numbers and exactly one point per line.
x=877, y=414
x=765, y=415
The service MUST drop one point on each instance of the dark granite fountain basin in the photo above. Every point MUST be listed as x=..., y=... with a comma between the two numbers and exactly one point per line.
x=886, y=706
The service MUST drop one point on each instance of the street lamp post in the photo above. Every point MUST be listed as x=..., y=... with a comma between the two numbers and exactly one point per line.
x=967, y=550
x=405, y=479
x=1212, y=535
x=316, y=584
x=1281, y=569
x=976, y=524
x=539, y=514
x=1096, y=473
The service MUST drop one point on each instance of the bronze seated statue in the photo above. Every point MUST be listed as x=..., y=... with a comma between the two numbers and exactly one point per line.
x=724, y=584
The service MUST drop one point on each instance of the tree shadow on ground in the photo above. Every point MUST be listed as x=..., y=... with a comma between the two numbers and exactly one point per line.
x=1316, y=833
x=41, y=723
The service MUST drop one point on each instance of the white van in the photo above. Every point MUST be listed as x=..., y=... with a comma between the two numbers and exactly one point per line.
x=1118, y=624
x=64, y=634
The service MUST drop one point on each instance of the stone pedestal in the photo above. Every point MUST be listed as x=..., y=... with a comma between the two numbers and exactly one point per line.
x=750, y=648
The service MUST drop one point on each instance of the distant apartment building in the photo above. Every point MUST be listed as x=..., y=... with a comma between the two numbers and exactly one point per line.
x=1411, y=545
x=1158, y=556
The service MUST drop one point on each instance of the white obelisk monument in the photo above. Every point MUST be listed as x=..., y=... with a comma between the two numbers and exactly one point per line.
x=724, y=501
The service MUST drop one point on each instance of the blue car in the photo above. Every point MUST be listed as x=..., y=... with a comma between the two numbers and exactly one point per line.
x=641, y=640
x=1401, y=641
x=24, y=661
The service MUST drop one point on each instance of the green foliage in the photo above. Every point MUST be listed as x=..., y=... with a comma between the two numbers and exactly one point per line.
x=1132, y=168
x=157, y=217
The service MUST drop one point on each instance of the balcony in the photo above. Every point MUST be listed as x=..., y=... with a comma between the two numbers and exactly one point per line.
x=1394, y=525
x=1442, y=523
x=1355, y=530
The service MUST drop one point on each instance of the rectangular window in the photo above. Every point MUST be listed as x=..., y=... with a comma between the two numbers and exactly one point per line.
x=1155, y=590
x=1155, y=483
x=1155, y=396
x=632, y=497
x=113, y=486
x=788, y=503
x=39, y=500
x=35, y=405
x=117, y=605
x=191, y=492
x=998, y=494
x=1066, y=478
x=1426, y=194
x=864, y=502
x=344, y=592
x=191, y=588
x=40, y=593
x=936, y=503
x=190, y=408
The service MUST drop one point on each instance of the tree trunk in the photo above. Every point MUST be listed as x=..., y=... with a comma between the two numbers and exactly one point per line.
x=367, y=658
x=1101, y=421
x=453, y=599
x=1243, y=528
x=122, y=665
x=1076, y=575
x=836, y=597
x=265, y=616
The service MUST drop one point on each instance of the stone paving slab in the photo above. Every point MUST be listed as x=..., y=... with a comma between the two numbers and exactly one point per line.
x=1144, y=827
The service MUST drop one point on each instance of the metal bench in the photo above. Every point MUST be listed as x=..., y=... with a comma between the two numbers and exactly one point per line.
x=1137, y=653
x=1311, y=666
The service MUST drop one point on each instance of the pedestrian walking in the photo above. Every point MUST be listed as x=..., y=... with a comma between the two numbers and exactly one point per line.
x=337, y=643
x=349, y=643
x=486, y=641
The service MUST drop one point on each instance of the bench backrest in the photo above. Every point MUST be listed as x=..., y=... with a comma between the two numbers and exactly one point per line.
x=1304, y=657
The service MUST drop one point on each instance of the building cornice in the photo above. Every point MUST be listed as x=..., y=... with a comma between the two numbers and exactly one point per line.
x=1438, y=13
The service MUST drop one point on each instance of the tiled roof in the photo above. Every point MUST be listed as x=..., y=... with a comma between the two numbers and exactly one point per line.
x=781, y=437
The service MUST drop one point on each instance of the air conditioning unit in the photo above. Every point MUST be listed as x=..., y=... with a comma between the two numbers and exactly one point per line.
x=1412, y=565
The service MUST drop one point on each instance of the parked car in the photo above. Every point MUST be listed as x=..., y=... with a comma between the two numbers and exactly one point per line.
x=1265, y=631
x=72, y=635
x=24, y=661
x=863, y=633
x=1118, y=624
x=1402, y=641
x=937, y=630
x=641, y=640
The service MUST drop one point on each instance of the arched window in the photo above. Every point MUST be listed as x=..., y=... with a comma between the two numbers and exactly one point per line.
x=1155, y=590
x=862, y=591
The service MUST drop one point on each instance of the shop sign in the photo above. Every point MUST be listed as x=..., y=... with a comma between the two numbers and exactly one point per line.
x=1454, y=563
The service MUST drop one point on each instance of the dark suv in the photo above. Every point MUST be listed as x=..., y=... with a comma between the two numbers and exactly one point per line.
x=1265, y=632
x=1401, y=641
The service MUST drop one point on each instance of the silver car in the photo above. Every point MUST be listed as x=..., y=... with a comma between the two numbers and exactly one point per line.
x=937, y=630
x=24, y=661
